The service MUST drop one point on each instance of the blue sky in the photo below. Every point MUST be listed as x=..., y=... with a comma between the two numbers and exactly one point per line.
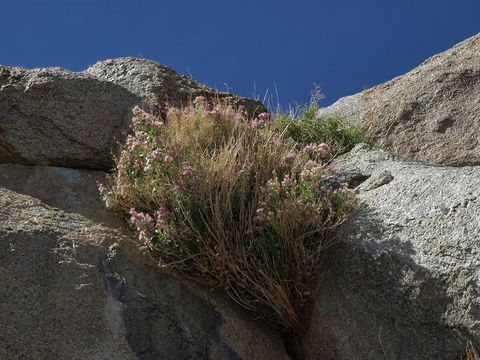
x=246, y=46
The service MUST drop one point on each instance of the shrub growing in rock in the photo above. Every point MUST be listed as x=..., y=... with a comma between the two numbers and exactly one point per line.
x=231, y=202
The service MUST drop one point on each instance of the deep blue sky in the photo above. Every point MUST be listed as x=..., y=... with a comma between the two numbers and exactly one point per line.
x=342, y=45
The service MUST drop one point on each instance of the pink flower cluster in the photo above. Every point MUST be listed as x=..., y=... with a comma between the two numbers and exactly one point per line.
x=148, y=119
x=214, y=113
x=261, y=216
x=132, y=142
x=157, y=155
x=161, y=216
x=289, y=157
x=287, y=181
x=264, y=116
x=320, y=149
x=144, y=223
x=186, y=168
x=261, y=120
x=200, y=101
x=311, y=170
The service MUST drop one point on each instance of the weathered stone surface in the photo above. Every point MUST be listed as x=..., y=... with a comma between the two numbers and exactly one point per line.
x=74, y=286
x=158, y=85
x=56, y=117
x=404, y=280
x=431, y=113
x=71, y=190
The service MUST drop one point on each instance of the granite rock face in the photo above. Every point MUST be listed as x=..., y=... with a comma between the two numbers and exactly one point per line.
x=158, y=85
x=431, y=113
x=75, y=286
x=404, y=280
x=56, y=117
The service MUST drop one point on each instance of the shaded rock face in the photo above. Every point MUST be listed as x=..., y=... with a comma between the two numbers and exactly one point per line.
x=56, y=117
x=431, y=113
x=404, y=280
x=74, y=286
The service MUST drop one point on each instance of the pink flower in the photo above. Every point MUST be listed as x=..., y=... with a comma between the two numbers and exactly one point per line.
x=306, y=175
x=155, y=155
x=137, y=111
x=142, y=236
x=200, y=100
x=161, y=213
x=310, y=148
x=136, y=216
x=150, y=120
x=120, y=189
x=290, y=157
x=186, y=168
x=264, y=116
x=311, y=170
x=261, y=119
x=254, y=124
x=160, y=218
x=322, y=149
x=261, y=216
x=286, y=181
x=310, y=164
x=132, y=142
x=214, y=113
x=144, y=223
x=168, y=159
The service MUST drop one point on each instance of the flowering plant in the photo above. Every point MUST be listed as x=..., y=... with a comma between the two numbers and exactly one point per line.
x=230, y=201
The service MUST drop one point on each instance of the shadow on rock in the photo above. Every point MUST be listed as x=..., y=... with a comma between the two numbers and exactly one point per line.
x=373, y=301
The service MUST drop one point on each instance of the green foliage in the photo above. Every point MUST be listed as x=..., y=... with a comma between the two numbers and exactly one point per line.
x=232, y=202
x=308, y=128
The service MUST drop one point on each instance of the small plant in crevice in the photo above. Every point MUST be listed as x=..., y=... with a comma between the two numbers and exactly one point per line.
x=307, y=127
x=231, y=202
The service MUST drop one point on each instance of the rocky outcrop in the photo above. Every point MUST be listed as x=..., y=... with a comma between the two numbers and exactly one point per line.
x=158, y=85
x=431, y=113
x=56, y=117
x=404, y=280
x=74, y=286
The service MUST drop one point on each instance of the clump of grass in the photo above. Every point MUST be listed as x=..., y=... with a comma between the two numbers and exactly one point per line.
x=307, y=127
x=231, y=202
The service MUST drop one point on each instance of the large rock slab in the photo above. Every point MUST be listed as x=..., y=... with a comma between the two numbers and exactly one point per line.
x=404, y=280
x=431, y=113
x=75, y=286
x=56, y=117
